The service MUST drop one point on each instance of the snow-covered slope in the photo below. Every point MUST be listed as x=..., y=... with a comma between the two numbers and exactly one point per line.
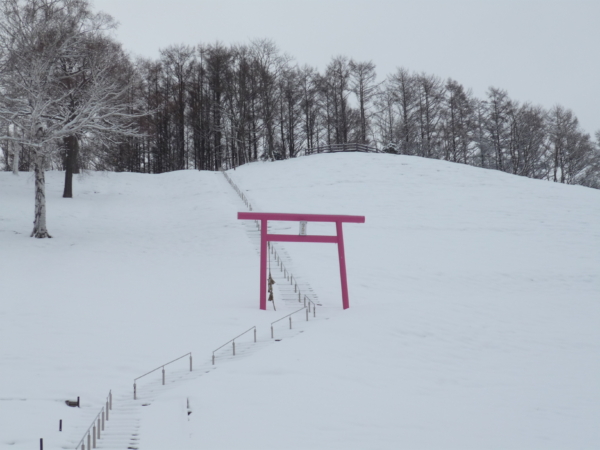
x=473, y=322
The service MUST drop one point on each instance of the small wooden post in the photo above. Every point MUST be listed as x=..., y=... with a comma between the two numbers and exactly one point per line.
x=99, y=424
x=233, y=348
x=190, y=362
x=134, y=392
x=290, y=322
x=163, y=375
x=94, y=437
x=41, y=444
x=60, y=425
x=107, y=409
x=89, y=440
x=102, y=420
x=254, y=334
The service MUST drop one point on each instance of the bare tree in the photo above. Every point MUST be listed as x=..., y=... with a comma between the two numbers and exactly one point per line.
x=308, y=103
x=571, y=148
x=268, y=65
x=528, y=143
x=405, y=95
x=498, y=125
x=430, y=90
x=337, y=77
x=458, y=123
x=363, y=85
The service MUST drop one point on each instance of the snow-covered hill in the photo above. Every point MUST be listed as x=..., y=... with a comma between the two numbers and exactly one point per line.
x=473, y=322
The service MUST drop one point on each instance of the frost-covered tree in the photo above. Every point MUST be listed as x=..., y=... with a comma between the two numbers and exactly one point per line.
x=57, y=80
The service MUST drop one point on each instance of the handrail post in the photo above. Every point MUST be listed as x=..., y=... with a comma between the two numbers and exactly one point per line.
x=271, y=331
x=254, y=334
x=213, y=358
x=107, y=410
x=89, y=440
x=94, y=437
x=233, y=347
x=134, y=392
x=190, y=362
x=290, y=322
x=163, y=375
x=307, y=315
x=103, y=420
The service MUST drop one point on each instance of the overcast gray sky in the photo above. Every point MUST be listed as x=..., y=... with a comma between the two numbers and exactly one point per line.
x=542, y=51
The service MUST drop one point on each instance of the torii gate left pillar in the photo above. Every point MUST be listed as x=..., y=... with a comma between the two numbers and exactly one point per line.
x=266, y=237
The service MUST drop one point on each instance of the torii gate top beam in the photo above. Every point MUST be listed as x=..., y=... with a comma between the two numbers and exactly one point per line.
x=299, y=217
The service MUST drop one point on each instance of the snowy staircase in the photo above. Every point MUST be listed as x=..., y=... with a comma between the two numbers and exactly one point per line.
x=292, y=292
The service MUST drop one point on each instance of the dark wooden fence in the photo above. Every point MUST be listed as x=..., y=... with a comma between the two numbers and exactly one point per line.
x=335, y=148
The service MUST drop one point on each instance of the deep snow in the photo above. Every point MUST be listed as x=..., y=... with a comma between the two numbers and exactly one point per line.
x=473, y=321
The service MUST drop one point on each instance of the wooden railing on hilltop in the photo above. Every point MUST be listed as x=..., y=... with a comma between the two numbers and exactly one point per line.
x=335, y=148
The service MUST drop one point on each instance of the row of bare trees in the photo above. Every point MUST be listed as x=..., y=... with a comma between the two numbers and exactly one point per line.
x=418, y=114
x=215, y=106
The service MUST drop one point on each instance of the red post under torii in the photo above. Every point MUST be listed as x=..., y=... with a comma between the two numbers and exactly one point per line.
x=266, y=237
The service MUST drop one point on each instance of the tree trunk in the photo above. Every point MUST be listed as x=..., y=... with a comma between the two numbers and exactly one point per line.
x=13, y=149
x=39, y=223
x=72, y=147
x=15, y=162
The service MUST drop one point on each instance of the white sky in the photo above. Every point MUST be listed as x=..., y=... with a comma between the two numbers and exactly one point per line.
x=541, y=51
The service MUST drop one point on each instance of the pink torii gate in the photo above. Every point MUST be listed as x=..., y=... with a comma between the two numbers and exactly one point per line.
x=266, y=237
